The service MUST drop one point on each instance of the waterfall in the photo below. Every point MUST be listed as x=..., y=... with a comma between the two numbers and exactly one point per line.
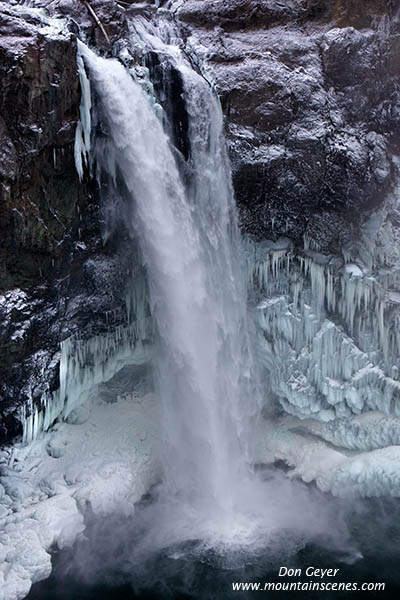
x=190, y=244
x=183, y=217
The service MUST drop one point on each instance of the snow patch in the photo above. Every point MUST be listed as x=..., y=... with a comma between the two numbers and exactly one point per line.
x=343, y=474
x=108, y=462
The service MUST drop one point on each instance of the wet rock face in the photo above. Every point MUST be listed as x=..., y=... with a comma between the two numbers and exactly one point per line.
x=168, y=89
x=61, y=270
x=254, y=14
x=312, y=98
x=38, y=108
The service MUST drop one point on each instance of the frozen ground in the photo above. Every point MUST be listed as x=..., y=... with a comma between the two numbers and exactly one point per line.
x=306, y=446
x=105, y=462
x=106, y=458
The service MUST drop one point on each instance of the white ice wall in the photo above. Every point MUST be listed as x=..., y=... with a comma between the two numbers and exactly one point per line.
x=328, y=327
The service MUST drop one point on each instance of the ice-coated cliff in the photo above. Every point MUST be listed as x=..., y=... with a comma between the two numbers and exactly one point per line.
x=312, y=137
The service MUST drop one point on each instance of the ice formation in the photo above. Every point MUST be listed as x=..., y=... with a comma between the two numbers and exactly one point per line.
x=344, y=474
x=84, y=127
x=87, y=361
x=329, y=329
x=328, y=340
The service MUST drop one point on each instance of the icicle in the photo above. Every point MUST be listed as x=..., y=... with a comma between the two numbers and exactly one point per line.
x=315, y=367
x=85, y=363
x=83, y=129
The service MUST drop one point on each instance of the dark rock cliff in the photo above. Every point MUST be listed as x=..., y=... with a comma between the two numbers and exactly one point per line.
x=312, y=98
x=310, y=90
x=56, y=273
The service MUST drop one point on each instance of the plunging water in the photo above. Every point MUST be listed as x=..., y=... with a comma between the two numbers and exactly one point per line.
x=188, y=237
x=190, y=244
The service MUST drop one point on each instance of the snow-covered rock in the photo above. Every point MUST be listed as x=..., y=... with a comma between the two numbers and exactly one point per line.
x=105, y=464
